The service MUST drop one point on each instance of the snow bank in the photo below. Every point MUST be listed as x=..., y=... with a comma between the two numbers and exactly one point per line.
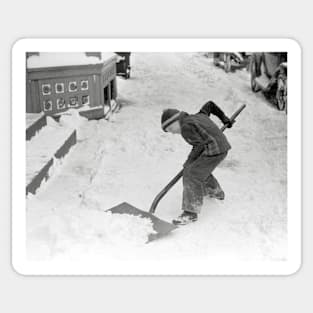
x=71, y=119
x=79, y=233
x=52, y=59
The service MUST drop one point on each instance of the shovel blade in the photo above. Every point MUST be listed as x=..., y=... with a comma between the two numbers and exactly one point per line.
x=161, y=227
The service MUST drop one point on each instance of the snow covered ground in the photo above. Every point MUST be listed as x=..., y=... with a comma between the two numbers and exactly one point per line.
x=51, y=59
x=129, y=158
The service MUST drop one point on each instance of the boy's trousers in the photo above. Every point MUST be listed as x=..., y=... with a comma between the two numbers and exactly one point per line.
x=198, y=180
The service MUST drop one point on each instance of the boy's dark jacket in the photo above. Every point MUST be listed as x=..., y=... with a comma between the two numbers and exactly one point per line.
x=202, y=133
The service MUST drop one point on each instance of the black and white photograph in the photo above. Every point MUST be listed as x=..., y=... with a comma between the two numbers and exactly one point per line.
x=157, y=162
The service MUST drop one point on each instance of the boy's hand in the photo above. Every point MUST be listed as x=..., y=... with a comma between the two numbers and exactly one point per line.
x=226, y=121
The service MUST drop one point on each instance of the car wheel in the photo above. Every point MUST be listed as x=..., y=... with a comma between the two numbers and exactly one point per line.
x=227, y=63
x=281, y=94
x=254, y=85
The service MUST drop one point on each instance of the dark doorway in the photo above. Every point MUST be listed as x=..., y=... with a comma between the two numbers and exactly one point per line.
x=106, y=95
x=112, y=89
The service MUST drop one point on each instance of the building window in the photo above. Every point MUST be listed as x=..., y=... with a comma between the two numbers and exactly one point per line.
x=61, y=103
x=59, y=88
x=73, y=102
x=46, y=89
x=84, y=85
x=85, y=100
x=47, y=105
x=72, y=86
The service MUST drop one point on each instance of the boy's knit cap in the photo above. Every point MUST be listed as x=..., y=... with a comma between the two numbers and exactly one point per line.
x=168, y=117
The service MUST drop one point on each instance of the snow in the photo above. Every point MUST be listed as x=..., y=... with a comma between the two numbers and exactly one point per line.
x=87, y=232
x=42, y=147
x=51, y=59
x=71, y=119
x=129, y=158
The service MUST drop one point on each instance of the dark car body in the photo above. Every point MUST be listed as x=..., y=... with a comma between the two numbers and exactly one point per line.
x=268, y=72
x=123, y=64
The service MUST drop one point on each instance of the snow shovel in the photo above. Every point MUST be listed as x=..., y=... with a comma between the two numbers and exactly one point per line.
x=160, y=227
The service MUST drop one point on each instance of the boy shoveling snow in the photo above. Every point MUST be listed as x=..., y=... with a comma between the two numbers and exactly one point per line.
x=210, y=147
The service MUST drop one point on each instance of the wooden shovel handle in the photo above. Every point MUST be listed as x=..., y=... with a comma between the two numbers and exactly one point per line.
x=162, y=193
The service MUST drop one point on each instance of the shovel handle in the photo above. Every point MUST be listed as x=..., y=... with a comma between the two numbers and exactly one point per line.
x=180, y=174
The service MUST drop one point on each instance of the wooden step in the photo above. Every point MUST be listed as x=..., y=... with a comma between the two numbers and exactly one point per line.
x=41, y=155
x=34, y=122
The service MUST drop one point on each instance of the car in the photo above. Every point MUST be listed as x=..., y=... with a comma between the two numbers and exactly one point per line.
x=230, y=61
x=268, y=73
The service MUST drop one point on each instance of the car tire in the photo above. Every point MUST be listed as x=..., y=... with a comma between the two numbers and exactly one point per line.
x=253, y=83
x=281, y=94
